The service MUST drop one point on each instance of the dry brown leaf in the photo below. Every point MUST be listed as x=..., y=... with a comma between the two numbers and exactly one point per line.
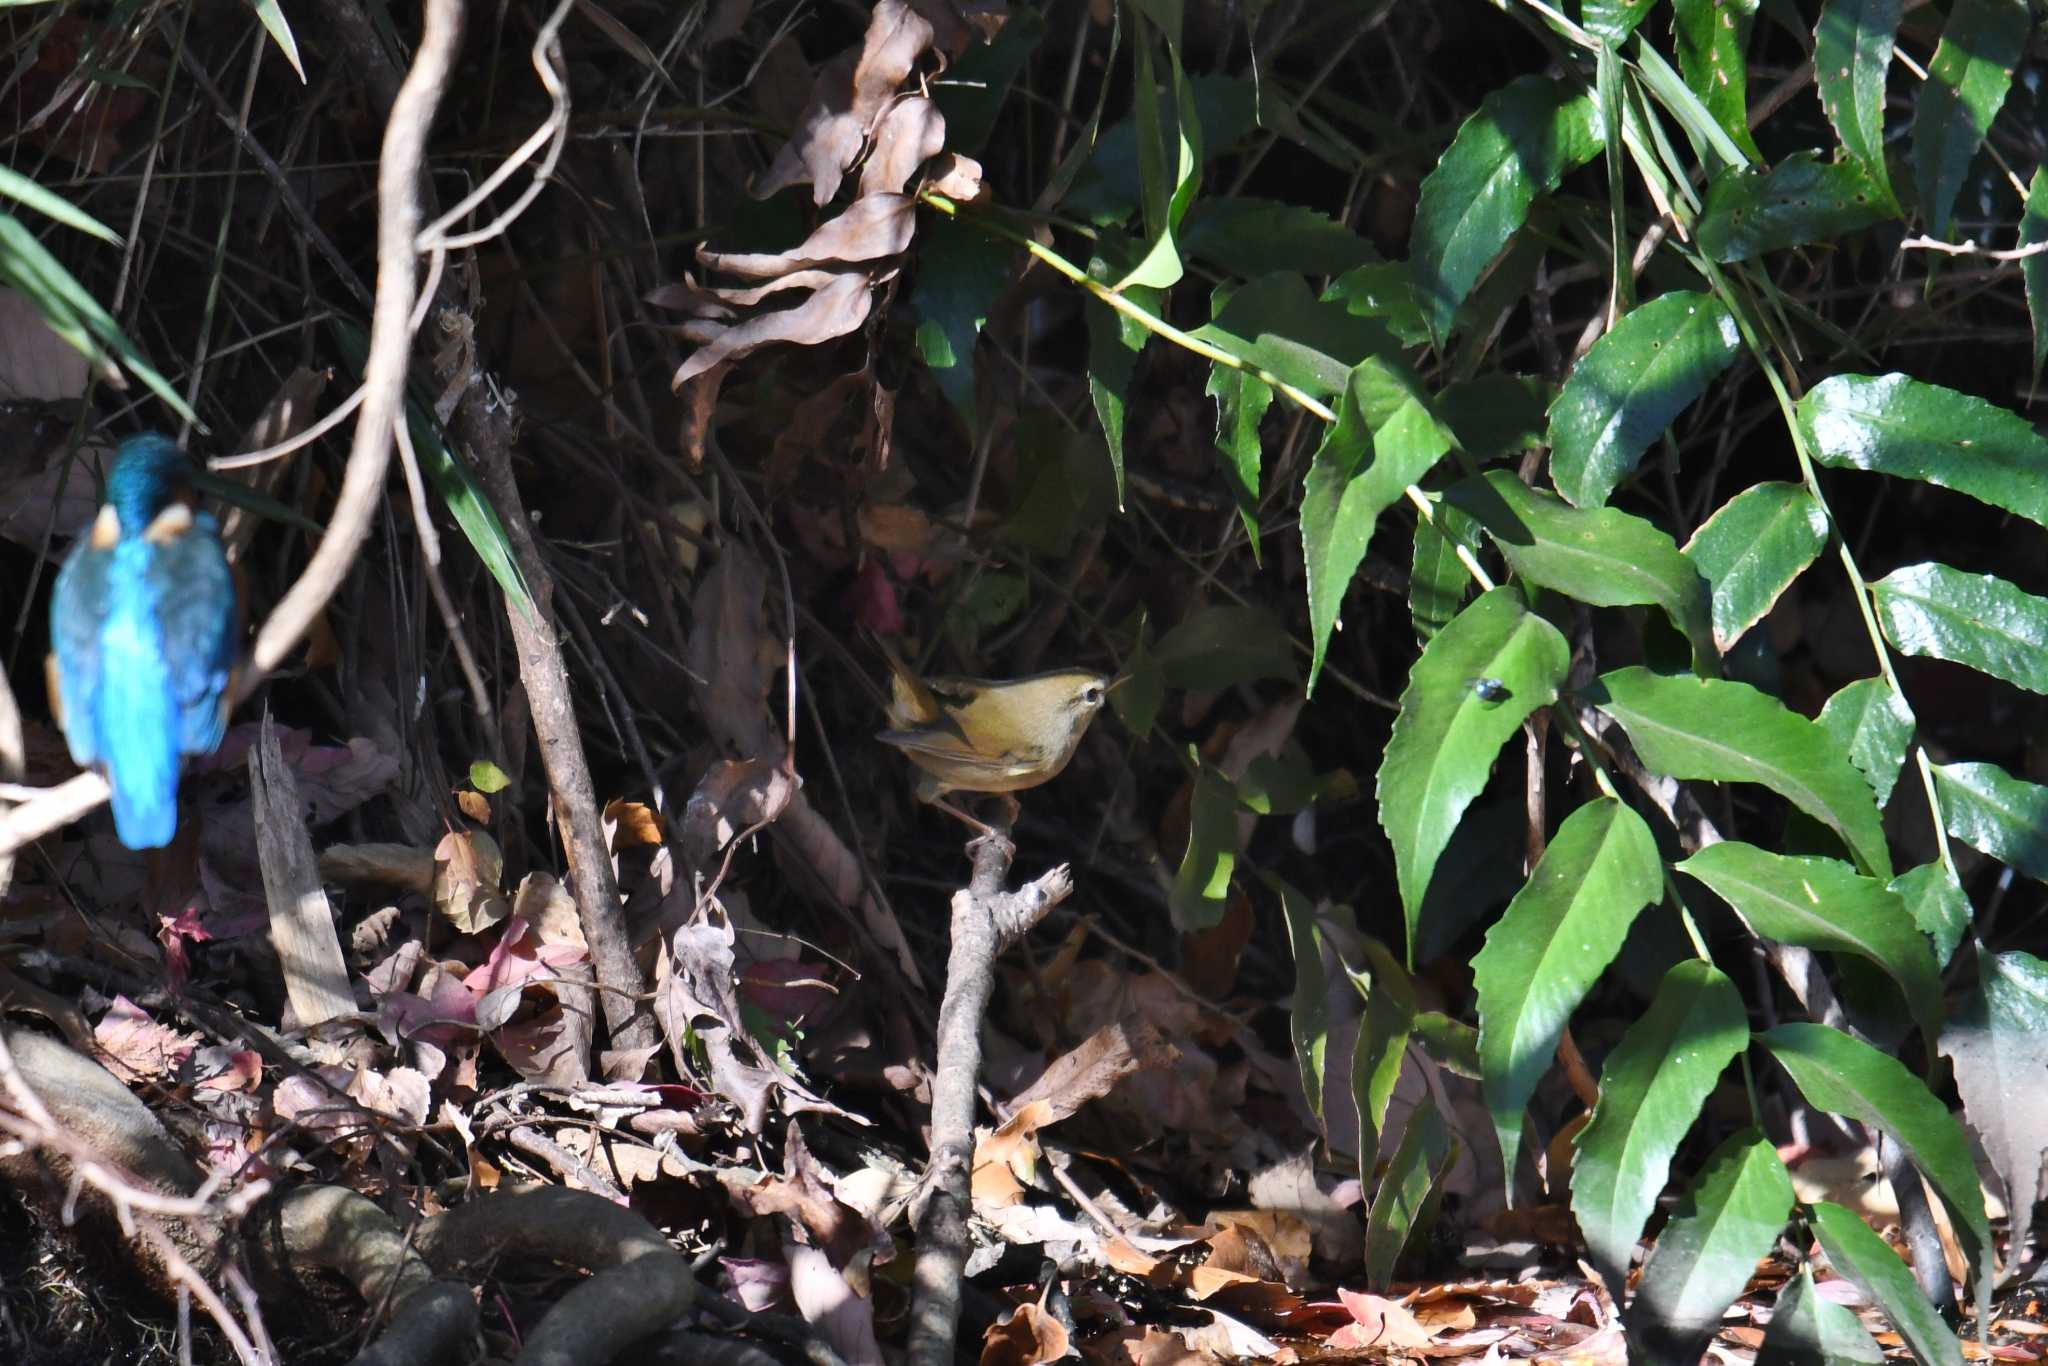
x=871, y=228
x=1026, y=1337
x=1095, y=1066
x=958, y=178
x=850, y=91
x=468, y=867
x=734, y=796
x=629, y=825
x=912, y=132
x=475, y=805
x=1378, y=1322
x=832, y=311
x=135, y=1047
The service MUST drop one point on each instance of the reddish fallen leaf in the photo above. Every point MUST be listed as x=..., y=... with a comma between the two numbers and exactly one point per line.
x=1377, y=1322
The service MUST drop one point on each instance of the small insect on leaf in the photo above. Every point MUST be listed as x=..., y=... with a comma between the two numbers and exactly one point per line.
x=1491, y=691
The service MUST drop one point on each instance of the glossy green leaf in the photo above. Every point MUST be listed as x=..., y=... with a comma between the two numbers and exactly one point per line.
x=1821, y=903
x=1799, y=201
x=1599, y=556
x=1551, y=944
x=1447, y=735
x=1998, y=1042
x=1613, y=20
x=2034, y=269
x=1975, y=619
x=1675, y=98
x=1808, y=1330
x=1383, y=1034
x=1407, y=1197
x=1852, y=53
x=1712, y=730
x=1848, y=1077
x=1872, y=725
x=1308, y=1020
x=1385, y=438
x=1751, y=550
x=1706, y=1254
x=1437, y=579
x=1241, y=402
x=1201, y=889
x=1712, y=41
x=280, y=31
x=1895, y=425
x=1248, y=237
x=1521, y=142
x=1451, y=1044
x=1938, y=905
x=1169, y=162
x=1866, y=1261
x=1384, y=290
x=1966, y=83
x=1651, y=1089
x=1997, y=814
x=1275, y=323
x=1627, y=389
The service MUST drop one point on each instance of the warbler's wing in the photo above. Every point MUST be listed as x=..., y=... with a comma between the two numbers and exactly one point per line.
x=968, y=767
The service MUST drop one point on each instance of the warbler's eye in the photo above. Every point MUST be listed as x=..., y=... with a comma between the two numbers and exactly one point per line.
x=1093, y=694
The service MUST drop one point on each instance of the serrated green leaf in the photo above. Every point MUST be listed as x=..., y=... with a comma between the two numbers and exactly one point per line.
x=1599, y=556
x=1248, y=237
x=1627, y=389
x=1384, y=290
x=1751, y=550
x=1437, y=579
x=1241, y=402
x=1807, y=1330
x=1998, y=1042
x=2034, y=268
x=1383, y=1033
x=1712, y=730
x=1169, y=161
x=1966, y=83
x=1221, y=647
x=486, y=777
x=1852, y=52
x=1308, y=1021
x=1820, y=903
x=1275, y=323
x=1997, y=814
x=1975, y=619
x=1865, y=1260
x=1521, y=142
x=1938, y=905
x=1848, y=1077
x=1613, y=20
x=1872, y=725
x=1406, y=1199
x=1201, y=889
x=1551, y=944
x=1706, y=1254
x=1651, y=1089
x=1112, y=360
x=1385, y=438
x=1801, y=200
x=1712, y=41
x=1447, y=735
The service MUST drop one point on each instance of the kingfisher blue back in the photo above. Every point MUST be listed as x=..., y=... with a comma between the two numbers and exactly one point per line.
x=142, y=634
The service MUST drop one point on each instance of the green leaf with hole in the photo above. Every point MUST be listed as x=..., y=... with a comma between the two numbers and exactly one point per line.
x=1627, y=389
x=1807, y=1330
x=1966, y=83
x=1938, y=905
x=1866, y=1261
x=1600, y=556
x=1975, y=619
x=1800, y=201
x=1551, y=944
x=1712, y=40
x=1848, y=1077
x=1822, y=903
x=1201, y=889
x=2034, y=268
x=1852, y=53
x=1651, y=1090
x=1521, y=142
x=1385, y=438
x=1725, y=1225
x=1751, y=550
x=1997, y=814
x=1873, y=725
x=1448, y=731
x=1895, y=425
x=1713, y=730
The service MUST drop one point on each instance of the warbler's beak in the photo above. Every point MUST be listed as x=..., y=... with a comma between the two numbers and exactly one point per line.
x=1116, y=683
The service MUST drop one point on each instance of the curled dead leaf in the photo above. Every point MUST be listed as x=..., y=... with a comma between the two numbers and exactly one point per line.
x=468, y=868
x=734, y=796
x=912, y=132
x=958, y=178
x=832, y=311
x=850, y=91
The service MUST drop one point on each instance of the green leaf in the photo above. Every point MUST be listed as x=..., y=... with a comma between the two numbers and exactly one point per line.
x=1712, y=730
x=1383, y=290
x=1938, y=905
x=1966, y=83
x=1997, y=814
x=1751, y=550
x=1998, y=1042
x=1496, y=414
x=1895, y=425
x=1807, y=1330
x=1241, y=402
x=1820, y=903
x=1308, y=1022
x=486, y=777
x=1275, y=323
x=1704, y=1257
x=1383, y=1033
x=1872, y=725
x=1712, y=39
x=1974, y=619
x=280, y=31
x=1847, y=1077
x=1521, y=142
x=961, y=271
x=1221, y=647
x=1447, y=734
x=1613, y=20
x=1112, y=360
x=1866, y=1261
x=1799, y=201
x=1451, y=1044
x=1651, y=1089
x=1599, y=556
x=1551, y=944
x=26, y=192
x=1248, y=237
x=1407, y=1198
x=1385, y=438
x=2034, y=269
x=1627, y=389
x=1437, y=579
x=1166, y=194
x=1852, y=52
x=1201, y=889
